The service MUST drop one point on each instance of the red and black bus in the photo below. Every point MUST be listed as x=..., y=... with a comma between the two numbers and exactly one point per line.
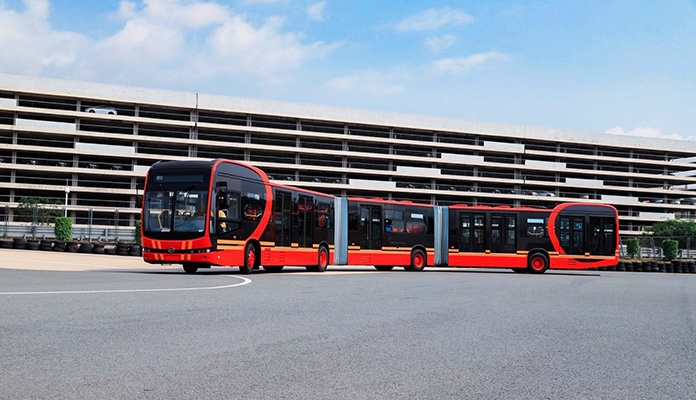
x=569, y=236
x=221, y=212
x=227, y=213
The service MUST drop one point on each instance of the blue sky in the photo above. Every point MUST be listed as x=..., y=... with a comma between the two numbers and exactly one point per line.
x=617, y=66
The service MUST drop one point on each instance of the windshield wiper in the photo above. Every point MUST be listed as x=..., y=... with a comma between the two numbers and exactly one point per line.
x=186, y=191
x=178, y=196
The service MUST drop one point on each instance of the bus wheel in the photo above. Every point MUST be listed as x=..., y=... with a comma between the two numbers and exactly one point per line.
x=190, y=268
x=384, y=267
x=418, y=261
x=273, y=268
x=322, y=260
x=538, y=263
x=250, y=259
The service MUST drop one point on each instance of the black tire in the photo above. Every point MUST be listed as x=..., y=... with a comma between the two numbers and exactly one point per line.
x=537, y=263
x=19, y=243
x=384, y=267
x=322, y=259
x=418, y=261
x=190, y=268
x=46, y=245
x=273, y=268
x=59, y=246
x=98, y=248
x=86, y=248
x=251, y=260
x=33, y=244
x=6, y=243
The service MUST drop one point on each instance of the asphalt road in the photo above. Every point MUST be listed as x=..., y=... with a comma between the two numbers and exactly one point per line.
x=97, y=327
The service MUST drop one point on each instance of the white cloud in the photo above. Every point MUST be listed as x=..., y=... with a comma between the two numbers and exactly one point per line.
x=432, y=19
x=370, y=82
x=465, y=64
x=645, y=132
x=29, y=44
x=316, y=11
x=265, y=51
x=158, y=40
x=438, y=44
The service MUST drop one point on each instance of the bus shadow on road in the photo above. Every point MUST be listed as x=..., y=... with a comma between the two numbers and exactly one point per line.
x=352, y=270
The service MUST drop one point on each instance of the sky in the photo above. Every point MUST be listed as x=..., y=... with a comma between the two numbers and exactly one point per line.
x=614, y=66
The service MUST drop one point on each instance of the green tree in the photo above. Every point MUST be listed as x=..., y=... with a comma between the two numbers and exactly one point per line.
x=677, y=229
x=42, y=210
x=632, y=247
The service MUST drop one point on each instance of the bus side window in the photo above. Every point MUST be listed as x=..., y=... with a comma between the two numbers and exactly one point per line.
x=253, y=207
x=478, y=229
x=233, y=206
x=510, y=229
x=227, y=210
x=323, y=214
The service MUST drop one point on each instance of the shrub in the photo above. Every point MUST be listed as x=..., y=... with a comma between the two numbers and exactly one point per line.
x=632, y=247
x=138, y=239
x=63, y=229
x=670, y=248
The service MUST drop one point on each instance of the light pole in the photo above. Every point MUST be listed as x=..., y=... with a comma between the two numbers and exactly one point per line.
x=67, y=192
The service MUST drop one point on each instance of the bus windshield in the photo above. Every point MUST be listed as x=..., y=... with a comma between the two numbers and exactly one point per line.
x=176, y=207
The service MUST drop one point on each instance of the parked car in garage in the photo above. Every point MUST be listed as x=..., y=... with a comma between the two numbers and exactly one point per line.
x=102, y=110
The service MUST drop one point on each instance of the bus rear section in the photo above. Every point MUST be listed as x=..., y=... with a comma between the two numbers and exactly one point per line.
x=226, y=213
x=570, y=236
x=585, y=236
x=384, y=233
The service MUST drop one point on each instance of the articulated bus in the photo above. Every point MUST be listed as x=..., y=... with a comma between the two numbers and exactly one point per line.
x=569, y=236
x=227, y=213
x=219, y=212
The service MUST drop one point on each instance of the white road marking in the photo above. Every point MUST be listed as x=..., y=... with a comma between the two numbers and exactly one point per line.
x=245, y=281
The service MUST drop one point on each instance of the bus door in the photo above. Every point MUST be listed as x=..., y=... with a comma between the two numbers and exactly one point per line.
x=572, y=234
x=602, y=236
x=503, y=233
x=282, y=210
x=472, y=232
x=305, y=214
x=371, y=227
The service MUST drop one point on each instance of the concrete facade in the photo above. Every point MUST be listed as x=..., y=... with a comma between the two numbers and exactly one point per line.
x=50, y=146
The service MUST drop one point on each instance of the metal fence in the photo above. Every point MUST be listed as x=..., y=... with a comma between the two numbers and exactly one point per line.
x=651, y=247
x=82, y=229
